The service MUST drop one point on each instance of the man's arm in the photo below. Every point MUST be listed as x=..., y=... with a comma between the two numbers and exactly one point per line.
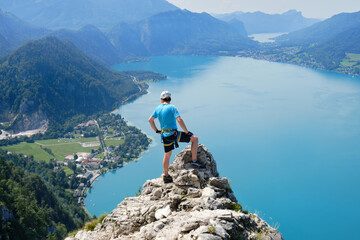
x=182, y=124
x=152, y=124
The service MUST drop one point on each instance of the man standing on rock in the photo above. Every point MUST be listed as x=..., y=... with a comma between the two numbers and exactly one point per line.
x=168, y=115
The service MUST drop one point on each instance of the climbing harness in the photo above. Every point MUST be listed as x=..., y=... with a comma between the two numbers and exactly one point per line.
x=168, y=133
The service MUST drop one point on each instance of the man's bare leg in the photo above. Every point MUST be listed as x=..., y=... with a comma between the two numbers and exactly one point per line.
x=194, y=147
x=166, y=161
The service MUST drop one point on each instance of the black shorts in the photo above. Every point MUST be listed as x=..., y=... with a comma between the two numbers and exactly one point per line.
x=169, y=142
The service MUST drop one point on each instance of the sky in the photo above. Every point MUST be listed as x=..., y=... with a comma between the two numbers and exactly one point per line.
x=310, y=8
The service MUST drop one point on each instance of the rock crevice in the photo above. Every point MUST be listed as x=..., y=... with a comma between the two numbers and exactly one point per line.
x=197, y=205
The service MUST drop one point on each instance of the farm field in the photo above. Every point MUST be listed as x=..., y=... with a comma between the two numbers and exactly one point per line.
x=59, y=148
x=29, y=149
x=113, y=142
x=351, y=60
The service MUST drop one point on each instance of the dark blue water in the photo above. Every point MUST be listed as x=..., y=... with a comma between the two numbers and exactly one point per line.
x=287, y=137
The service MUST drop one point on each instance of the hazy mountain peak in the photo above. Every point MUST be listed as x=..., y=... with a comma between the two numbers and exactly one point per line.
x=75, y=14
x=90, y=27
x=93, y=42
x=259, y=22
x=14, y=32
x=292, y=12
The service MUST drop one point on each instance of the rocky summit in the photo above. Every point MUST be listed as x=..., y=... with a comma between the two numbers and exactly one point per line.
x=197, y=205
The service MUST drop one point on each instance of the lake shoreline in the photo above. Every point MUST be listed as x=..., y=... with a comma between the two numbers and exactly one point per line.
x=292, y=131
x=309, y=64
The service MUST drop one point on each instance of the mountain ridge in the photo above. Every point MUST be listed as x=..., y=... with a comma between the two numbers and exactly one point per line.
x=321, y=31
x=14, y=32
x=74, y=14
x=93, y=42
x=179, y=32
x=260, y=22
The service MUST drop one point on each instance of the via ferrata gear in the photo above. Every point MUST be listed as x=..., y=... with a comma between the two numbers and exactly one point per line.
x=170, y=132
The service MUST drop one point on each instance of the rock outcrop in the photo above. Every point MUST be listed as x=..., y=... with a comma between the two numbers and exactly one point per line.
x=197, y=205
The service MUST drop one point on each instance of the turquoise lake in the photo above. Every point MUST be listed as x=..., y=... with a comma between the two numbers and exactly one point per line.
x=287, y=137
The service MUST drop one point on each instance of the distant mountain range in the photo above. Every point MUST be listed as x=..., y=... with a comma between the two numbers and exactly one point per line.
x=93, y=42
x=14, y=32
x=259, y=22
x=162, y=32
x=74, y=14
x=322, y=31
x=179, y=32
x=52, y=80
x=173, y=32
x=329, y=41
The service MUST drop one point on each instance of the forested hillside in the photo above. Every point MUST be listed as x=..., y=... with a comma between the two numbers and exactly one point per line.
x=31, y=208
x=53, y=80
x=332, y=43
x=333, y=52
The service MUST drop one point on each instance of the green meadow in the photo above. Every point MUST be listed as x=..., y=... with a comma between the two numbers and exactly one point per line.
x=29, y=149
x=351, y=60
x=60, y=148
x=114, y=142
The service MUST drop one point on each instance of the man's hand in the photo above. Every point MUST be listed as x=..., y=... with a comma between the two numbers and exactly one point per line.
x=189, y=134
x=158, y=131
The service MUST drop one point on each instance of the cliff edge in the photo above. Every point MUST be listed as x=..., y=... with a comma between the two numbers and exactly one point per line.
x=197, y=205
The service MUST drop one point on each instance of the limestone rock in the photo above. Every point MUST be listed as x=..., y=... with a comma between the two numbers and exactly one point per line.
x=197, y=205
x=163, y=213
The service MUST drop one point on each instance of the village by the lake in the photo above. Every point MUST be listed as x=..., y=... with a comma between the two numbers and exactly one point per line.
x=91, y=149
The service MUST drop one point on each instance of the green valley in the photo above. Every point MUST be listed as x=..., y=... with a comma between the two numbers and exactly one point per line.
x=90, y=149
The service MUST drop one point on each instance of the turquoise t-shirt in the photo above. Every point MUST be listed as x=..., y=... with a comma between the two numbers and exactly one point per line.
x=167, y=114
